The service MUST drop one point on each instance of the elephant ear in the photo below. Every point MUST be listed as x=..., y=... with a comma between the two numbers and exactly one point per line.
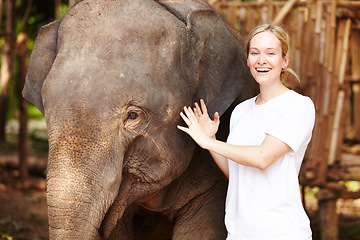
x=222, y=69
x=41, y=60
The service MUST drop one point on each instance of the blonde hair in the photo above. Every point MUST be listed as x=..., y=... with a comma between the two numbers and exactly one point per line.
x=284, y=38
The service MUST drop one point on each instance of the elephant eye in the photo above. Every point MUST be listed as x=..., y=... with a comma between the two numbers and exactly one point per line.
x=132, y=115
x=135, y=119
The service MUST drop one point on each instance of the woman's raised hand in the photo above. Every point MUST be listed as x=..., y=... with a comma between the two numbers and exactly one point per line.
x=209, y=126
x=200, y=127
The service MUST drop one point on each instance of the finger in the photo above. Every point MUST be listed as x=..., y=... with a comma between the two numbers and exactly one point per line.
x=184, y=129
x=186, y=120
x=186, y=111
x=195, y=109
x=190, y=114
x=196, y=115
x=216, y=117
x=203, y=107
x=198, y=110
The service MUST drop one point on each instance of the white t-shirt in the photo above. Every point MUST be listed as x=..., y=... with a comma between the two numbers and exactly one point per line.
x=266, y=204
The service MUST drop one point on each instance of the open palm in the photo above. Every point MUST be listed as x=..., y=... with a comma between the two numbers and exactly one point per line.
x=210, y=127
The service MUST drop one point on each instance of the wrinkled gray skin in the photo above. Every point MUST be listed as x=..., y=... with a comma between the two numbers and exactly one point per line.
x=111, y=78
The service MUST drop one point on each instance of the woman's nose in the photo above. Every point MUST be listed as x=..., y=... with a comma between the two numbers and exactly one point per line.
x=262, y=59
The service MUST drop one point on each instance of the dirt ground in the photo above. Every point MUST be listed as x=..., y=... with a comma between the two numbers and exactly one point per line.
x=23, y=210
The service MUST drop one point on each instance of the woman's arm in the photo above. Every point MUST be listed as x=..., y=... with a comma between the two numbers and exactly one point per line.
x=254, y=156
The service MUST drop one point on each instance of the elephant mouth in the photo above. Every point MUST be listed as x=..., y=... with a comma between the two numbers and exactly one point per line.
x=129, y=192
x=117, y=209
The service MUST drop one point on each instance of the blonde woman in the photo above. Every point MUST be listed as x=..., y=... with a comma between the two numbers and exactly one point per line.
x=265, y=147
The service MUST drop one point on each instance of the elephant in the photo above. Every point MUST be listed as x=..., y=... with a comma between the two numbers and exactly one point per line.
x=111, y=78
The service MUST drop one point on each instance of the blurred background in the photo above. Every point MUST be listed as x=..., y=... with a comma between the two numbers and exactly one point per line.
x=23, y=136
x=325, y=54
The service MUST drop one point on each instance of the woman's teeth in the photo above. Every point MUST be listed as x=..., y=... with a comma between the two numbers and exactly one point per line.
x=263, y=70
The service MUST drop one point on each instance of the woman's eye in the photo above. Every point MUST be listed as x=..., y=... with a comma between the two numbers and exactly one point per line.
x=253, y=53
x=132, y=115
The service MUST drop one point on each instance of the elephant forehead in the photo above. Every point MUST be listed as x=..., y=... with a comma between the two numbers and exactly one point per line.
x=152, y=90
x=106, y=47
x=123, y=34
x=94, y=23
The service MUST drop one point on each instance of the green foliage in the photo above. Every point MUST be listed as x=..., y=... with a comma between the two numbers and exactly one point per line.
x=352, y=186
x=237, y=26
x=39, y=138
x=6, y=236
x=350, y=232
x=41, y=12
x=34, y=113
x=64, y=9
x=38, y=135
x=36, y=220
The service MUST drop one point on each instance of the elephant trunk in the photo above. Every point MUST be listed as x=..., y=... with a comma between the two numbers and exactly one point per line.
x=82, y=183
x=71, y=214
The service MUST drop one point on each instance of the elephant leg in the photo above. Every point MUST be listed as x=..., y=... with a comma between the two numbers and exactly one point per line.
x=203, y=217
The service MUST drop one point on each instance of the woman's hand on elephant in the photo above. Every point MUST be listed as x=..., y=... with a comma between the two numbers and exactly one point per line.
x=195, y=129
x=209, y=126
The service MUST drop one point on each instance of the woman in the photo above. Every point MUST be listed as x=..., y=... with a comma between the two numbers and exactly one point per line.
x=265, y=147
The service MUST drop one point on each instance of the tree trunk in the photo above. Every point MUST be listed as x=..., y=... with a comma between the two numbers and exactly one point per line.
x=1, y=7
x=23, y=143
x=328, y=220
x=58, y=8
x=6, y=64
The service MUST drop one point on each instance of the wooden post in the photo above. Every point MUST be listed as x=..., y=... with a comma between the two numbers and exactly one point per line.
x=284, y=11
x=6, y=64
x=355, y=73
x=23, y=143
x=327, y=215
x=299, y=38
x=341, y=95
x=1, y=10
x=316, y=166
x=327, y=197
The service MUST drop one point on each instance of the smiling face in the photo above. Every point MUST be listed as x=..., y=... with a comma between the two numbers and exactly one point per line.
x=265, y=58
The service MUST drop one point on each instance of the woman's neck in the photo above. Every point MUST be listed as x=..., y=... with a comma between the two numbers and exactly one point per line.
x=269, y=92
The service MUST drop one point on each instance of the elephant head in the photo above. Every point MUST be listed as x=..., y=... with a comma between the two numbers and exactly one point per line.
x=111, y=78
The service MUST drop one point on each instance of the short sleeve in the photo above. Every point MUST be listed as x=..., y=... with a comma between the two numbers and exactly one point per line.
x=295, y=124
